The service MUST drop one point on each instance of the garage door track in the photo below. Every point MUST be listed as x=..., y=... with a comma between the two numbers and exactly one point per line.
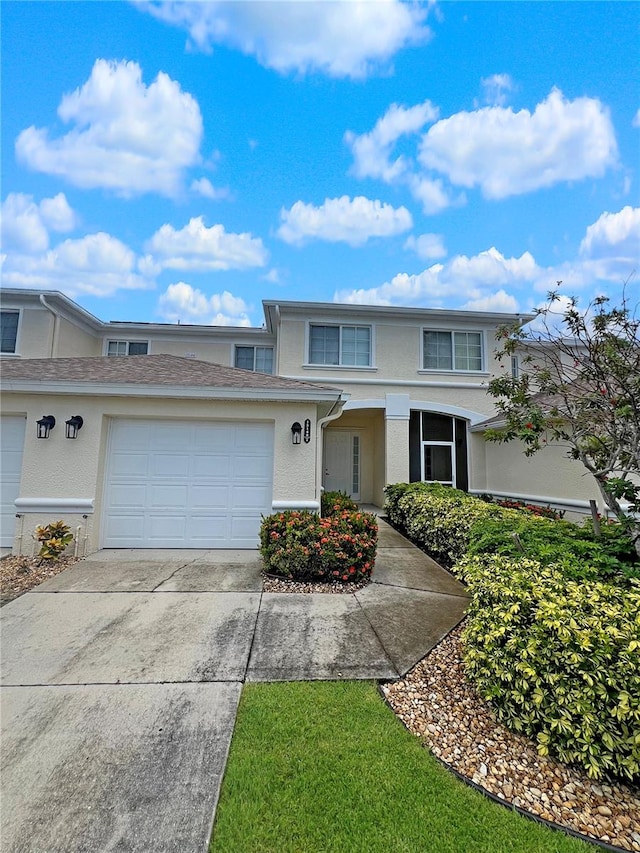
x=122, y=675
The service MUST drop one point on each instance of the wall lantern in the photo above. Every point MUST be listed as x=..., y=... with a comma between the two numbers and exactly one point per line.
x=296, y=432
x=307, y=431
x=45, y=425
x=73, y=426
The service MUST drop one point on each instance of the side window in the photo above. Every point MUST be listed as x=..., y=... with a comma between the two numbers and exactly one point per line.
x=258, y=359
x=127, y=347
x=9, y=331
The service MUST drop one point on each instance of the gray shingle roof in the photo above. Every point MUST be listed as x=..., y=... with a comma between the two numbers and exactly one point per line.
x=170, y=370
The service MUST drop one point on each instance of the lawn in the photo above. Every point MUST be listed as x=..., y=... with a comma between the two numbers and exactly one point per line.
x=326, y=767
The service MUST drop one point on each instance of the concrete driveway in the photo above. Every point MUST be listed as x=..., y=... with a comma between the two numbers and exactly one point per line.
x=121, y=679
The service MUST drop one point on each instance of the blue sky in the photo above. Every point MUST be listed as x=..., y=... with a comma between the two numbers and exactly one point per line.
x=183, y=161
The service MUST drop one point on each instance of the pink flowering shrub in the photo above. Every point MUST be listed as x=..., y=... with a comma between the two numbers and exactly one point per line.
x=301, y=545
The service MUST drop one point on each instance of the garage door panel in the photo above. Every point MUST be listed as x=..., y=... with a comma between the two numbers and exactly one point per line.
x=12, y=431
x=194, y=485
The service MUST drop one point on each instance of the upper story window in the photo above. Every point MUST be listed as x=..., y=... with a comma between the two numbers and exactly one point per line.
x=515, y=366
x=258, y=359
x=344, y=345
x=127, y=347
x=452, y=350
x=9, y=330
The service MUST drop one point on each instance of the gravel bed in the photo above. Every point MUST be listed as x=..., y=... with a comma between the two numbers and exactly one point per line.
x=273, y=584
x=19, y=574
x=438, y=705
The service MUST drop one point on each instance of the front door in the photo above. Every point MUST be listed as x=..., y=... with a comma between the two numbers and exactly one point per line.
x=342, y=462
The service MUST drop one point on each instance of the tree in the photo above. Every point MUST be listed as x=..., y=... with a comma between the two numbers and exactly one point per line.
x=579, y=386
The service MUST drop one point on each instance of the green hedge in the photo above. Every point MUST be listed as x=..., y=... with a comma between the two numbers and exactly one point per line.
x=334, y=502
x=552, y=637
x=301, y=545
x=558, y=659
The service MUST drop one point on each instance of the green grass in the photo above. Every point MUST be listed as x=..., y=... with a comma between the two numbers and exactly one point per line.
x=326, y=767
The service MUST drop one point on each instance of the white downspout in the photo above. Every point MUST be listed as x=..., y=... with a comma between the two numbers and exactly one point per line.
x=56, y=324
x=320, y=444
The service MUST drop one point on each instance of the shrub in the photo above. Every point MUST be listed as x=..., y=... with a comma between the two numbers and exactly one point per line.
x=333, y=502
x=54, y=538
x=304, y=546
x=558, y=659
x=534, y=509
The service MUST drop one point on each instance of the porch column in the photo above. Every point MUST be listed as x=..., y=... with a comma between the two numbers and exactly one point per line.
x=396, y=439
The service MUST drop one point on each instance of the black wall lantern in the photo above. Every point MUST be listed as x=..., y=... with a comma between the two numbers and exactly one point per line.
x=73, y=426
x=296, y=432
x=45, y=425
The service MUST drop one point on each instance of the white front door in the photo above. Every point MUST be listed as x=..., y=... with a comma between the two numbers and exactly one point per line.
x=11, y=447
x=342, y=462
x=179, y=484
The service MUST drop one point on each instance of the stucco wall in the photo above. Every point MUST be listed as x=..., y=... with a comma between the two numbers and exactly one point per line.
x=60, y=468
x=34, y=333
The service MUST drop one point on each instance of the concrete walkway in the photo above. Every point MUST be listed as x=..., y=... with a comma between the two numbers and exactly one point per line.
x=121, y=679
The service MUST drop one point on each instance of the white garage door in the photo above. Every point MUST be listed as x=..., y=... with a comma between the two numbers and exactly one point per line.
x=11, y=447
x=172, y=484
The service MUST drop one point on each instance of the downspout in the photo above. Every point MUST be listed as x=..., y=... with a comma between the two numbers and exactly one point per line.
x=320, y=444
x=56, y=324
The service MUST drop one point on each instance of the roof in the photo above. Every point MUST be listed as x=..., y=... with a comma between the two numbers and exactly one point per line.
x=138, y=372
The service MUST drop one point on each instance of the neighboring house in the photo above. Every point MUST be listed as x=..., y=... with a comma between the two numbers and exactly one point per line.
x=187, y=430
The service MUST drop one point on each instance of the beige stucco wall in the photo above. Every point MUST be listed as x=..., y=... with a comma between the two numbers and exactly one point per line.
x=73, y=342
x=34, y=333
x=59, y=468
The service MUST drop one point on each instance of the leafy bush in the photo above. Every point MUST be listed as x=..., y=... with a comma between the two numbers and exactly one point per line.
x=301, y=545
x=333, y=502
x=437, y=518
x=54, y=538
x=558, y=659
x=573, y=548
x=535, y=509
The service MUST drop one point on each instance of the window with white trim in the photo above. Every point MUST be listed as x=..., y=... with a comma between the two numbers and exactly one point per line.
x=349, y=346
x=451, y=350
x=258, y=359
x=9, y=331
x=127, y=347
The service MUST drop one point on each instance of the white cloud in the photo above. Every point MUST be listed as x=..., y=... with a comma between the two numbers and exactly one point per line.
x=344, y=220
x=636, y=119
x=346, y=39
x=460, y=281
x=26, y=224
x=429, y=247
x=614, y=234
x=371, y=151
x=507, y=153
x=126, y=137
x=185, y=304
x=432, y=194
x=205, y=188
x=196, y=247
x=500, y=302
x=97, y=264
x=496, y=89
x=273, y=276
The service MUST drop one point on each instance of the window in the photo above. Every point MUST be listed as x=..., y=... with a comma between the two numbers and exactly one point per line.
x=452, y=350
x=9, y=330
x=346, y=345
x=258, y=359
x=127, y=348
x=515, y=366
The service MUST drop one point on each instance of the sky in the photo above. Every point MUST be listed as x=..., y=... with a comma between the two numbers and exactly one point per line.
x=182, y=161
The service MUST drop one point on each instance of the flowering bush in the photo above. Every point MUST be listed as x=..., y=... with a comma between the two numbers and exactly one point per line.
x=333, y=502
x=301, y=545
x=54, y=537
x=534, y=509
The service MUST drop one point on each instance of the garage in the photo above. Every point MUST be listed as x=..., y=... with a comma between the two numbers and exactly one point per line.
x=178, y=484
x=11, y=447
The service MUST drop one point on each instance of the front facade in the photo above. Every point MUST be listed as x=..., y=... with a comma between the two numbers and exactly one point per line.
x=183, y=454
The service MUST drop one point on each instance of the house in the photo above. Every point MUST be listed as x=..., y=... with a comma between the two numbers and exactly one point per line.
x=188, y=434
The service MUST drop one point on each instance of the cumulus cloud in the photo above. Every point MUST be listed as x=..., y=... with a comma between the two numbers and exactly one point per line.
x=372, y=151
x=185, y=304
x=97, y=264
x=500, y=303
x=507, y=153
x=126, y=137
x=204, y=187
x=196, y=247
x=614, y=233
x=354, y=38
x=496, y=89
x=26, y=223
x=460, y=281
x=343, y=220
x=429, y=247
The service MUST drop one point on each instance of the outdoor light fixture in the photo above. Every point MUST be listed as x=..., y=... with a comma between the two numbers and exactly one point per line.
x=45, y=425
x=73, y=425
x=296, y=432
